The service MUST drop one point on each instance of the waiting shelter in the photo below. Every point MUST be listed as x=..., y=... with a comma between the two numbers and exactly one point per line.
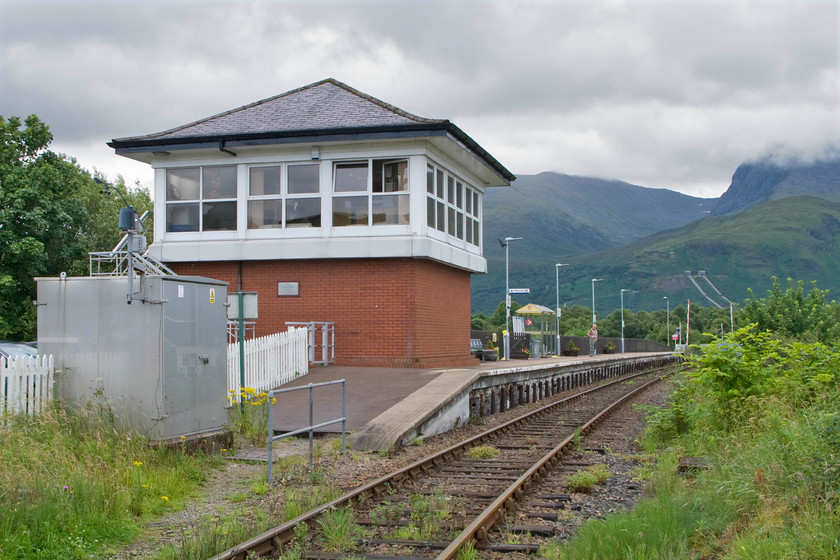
x=539, y=322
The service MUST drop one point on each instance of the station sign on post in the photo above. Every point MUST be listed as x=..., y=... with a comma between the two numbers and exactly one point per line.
x=249, y=306
x=519, y=291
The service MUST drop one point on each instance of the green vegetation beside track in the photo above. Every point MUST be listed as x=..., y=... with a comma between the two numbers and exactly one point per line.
x=72, y=485
x=762, y=411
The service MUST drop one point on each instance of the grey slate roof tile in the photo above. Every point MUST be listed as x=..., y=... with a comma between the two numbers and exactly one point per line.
x=325, y=105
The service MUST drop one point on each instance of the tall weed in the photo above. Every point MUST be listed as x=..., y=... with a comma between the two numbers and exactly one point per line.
x=72, y=483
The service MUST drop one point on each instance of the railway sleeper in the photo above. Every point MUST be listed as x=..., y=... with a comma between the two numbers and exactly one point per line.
x=335, y=556
x=546, y=505
x=538, y=530
x=505, y=548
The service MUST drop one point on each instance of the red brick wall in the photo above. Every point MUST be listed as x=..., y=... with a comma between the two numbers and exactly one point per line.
x=387, y=312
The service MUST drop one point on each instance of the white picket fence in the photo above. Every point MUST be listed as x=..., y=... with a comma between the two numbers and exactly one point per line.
x=26, y=384
x=269, y=361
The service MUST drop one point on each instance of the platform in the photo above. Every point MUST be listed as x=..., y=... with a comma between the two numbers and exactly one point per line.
x=386, y=405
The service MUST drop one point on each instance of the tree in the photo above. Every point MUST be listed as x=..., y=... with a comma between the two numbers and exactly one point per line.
x=794, y=313
x=51, y=215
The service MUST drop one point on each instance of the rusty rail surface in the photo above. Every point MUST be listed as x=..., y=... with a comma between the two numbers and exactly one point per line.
x=272, y=541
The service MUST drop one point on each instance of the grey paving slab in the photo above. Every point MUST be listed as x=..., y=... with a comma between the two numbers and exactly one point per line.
x=369, y=392
x=385, y=404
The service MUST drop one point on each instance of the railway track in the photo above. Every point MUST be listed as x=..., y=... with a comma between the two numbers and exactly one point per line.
x=454, y=498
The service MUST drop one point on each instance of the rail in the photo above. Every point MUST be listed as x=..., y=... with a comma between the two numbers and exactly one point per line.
x=272, y=541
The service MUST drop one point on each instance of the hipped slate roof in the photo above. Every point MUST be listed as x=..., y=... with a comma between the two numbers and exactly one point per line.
x=323, y=111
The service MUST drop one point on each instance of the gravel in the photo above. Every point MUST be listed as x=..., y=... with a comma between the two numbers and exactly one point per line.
x=237, y=487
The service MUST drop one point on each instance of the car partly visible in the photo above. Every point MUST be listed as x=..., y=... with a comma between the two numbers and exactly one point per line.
x=11, y=350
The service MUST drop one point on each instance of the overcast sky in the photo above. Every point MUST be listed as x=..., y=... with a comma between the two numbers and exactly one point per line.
x=671, y=94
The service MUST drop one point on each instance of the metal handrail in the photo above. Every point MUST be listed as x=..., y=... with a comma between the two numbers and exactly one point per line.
x=310, y=428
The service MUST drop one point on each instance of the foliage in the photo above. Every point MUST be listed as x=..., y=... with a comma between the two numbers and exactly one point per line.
x=762, y=409
x=73, y=484
x=339, y=530
x=794, y=313
x=483, y=452
x=585, y=480
x=51, y=215
x=250, y=420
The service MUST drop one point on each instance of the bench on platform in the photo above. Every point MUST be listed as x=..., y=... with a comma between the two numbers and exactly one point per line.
x=482, y=353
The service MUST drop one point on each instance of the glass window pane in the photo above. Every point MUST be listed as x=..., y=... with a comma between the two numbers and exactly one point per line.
x=440, y=184
x=475, y=204
x=350, y=177
x=460, y=219
x=350, y=211
x=430, y=179
x=303, y=212
x=263, y=214
x=390, y=176
x=468, y=200
x=182, y=184
x=265, y=180
x=450, y=189
x=304, y=179
x=469, y=229
x=390, y=210
x=441, y=216
x=218, y=216
x=430, y=211
x=182, y=217
x=476, y=239
x=451, y=229
x=219, y=182
x=459, y=194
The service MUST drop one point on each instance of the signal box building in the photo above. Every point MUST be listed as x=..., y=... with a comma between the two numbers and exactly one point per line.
x=333, y=206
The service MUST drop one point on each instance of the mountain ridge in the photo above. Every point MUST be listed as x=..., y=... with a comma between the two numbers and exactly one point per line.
x=596, y=224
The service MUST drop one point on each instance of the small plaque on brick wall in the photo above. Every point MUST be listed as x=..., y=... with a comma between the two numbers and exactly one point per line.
x=287, y=288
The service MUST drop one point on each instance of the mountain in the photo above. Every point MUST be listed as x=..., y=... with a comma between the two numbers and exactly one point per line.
x=774, y=220
x=559, y=216
x=563, y=215
x=797, y=237
x=756, y=183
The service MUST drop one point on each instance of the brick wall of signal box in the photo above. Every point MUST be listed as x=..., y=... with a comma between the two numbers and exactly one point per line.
x=387, y=312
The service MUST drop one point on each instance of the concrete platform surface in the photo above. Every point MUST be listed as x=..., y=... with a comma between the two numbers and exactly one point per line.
x=370, y=391
x=382, y=404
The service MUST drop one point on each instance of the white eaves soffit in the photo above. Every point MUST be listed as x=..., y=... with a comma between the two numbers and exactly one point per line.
x=320, y=248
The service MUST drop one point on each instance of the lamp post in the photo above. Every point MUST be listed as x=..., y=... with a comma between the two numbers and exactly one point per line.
x=667, y=321
x=506, y=244
x=557, y=316
x=592, y=342
x=622, y=319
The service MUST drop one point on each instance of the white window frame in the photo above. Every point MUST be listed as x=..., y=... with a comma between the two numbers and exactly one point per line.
x=200, y=201
x=442, y=178
x=369, y=192
x=283, y=196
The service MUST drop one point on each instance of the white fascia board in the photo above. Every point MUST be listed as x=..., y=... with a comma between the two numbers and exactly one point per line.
x=464, y=158
x=319, y=248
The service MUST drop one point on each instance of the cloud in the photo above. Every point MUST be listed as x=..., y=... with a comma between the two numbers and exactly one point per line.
x=670, y=94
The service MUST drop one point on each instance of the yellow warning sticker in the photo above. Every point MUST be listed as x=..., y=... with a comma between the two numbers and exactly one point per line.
x=212, y=295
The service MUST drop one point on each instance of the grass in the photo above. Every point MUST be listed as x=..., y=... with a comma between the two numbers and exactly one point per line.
x=73, y=484
x=771, y=486
x=339, y=531
x=586, y=480
x=206, y=538
x=483, y=452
